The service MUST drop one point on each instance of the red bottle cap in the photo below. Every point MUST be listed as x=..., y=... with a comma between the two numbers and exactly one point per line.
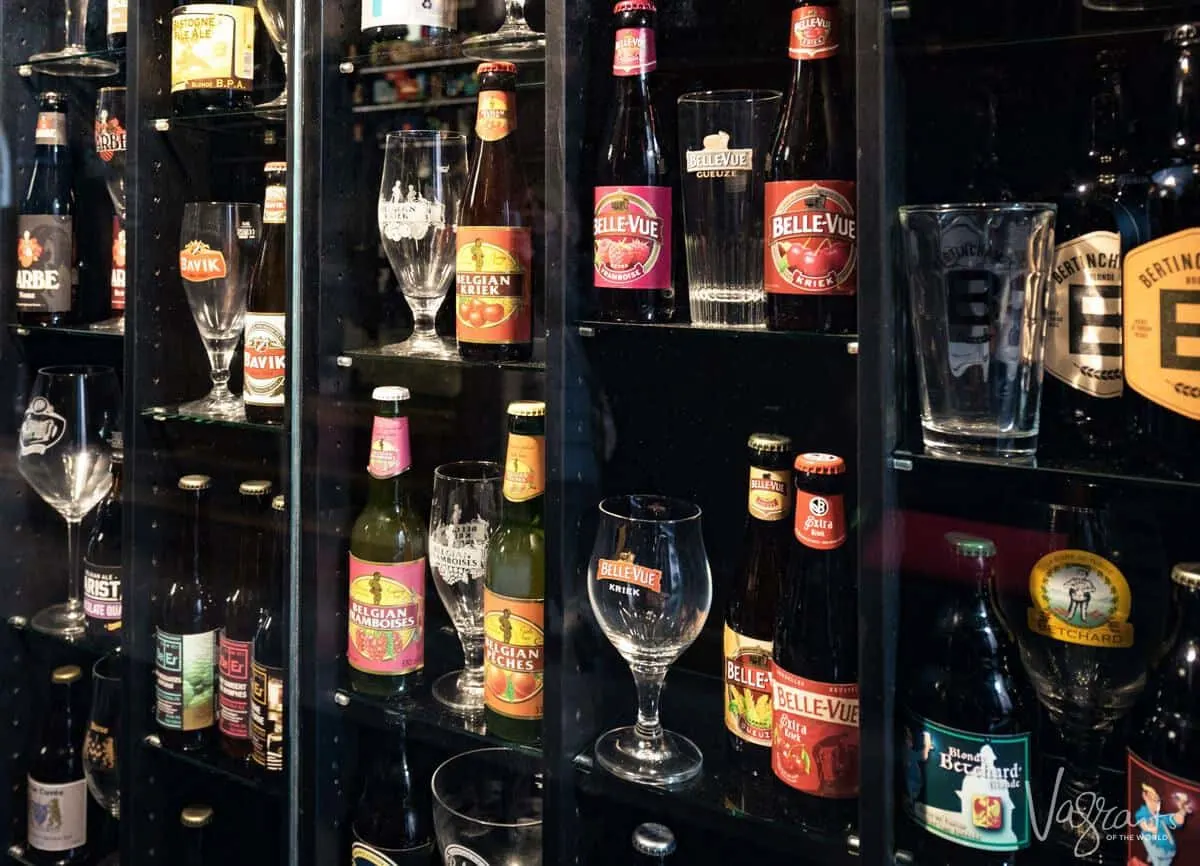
x=634, y=6
x=818, y=463
x=498, y=67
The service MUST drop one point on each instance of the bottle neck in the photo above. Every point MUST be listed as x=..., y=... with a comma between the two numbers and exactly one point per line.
x=199, y=520
x=118, y=470
x=1106, y=154
x=1185, y=108
x=251, y=558
x=277, y=574
x=496, y=117
x=1187, y=613
x=524, y=472
x=50, y=135
x=63, y=699
x=391, y=458
x=635, y=56
x=974, y=575
x=769, y=497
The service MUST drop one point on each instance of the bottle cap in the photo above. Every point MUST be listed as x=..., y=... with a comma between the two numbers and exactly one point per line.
x=970, y=545
x=1187, y=574
x=1183, y=34
x=772, y=442
x=653, y=840
x=279, y=503
x=496, y=67
x=527, y=408
x=819, y=463
x=196, y=816
x=195, y=482
x=51, y=96
x=275, y=166
x=117, y=442
x=634, y=6
x=390, y=393
x=254, y=488
x=66, y=674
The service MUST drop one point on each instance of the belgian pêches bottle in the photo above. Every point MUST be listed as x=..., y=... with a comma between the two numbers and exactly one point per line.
x=56, y=832
x=268, y=704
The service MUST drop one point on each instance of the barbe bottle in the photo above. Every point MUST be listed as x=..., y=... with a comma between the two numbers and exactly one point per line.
x=46, y=267
x=429, y=21
x=102, y=561
x=212, y=56
x=632, y=218
x=814, y=670
x=391, y=823
x=57, y=789
x=386, y=636
x=264, y=355
x=494, y=264
x=810, y=226
x=514, y=593
x=267, y=701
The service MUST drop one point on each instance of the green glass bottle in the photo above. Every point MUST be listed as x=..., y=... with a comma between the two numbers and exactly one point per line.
x=386, y=648
x=515, y=588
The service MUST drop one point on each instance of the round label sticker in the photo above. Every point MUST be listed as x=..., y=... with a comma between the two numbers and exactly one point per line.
x=1079, y=597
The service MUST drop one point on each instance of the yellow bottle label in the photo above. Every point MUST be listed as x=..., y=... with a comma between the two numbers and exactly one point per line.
x=513, y=655
x=212, y=47
x=524, y=467
x=770, y=493
x=1079, y=597
x=748, y=687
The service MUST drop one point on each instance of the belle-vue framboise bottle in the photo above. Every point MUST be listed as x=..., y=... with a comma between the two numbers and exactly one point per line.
x=810, y=225
x=632, y=219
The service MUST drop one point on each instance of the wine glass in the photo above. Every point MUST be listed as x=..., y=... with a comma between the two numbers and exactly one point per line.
x=650, y=588
x=487, y=808
x=72, y=59
x=274, y=17
x=65, y=454
x=515, y=40
x=465, y=510
x=424, y=180
x=218, y=245
x=111, y=141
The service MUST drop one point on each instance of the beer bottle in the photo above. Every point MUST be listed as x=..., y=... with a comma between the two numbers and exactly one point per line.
x=186, y=635
x=632, y=220
x=429, y=21
x=810, y=226
x=212, y=56
x=243, y=608
x=102, y=561
x=265, y=345
x=46, y=272
x=267, y=704
x=57, y=789
x=118, y=24
x=387, y=564
x=653, y=844
x=965, y=740
x=514, y=591
x=814, y=669
x=1163, y=775
x=194, y=819
x=391, y=824
x=1081, y=405
x=750, y=618
x=494, y=264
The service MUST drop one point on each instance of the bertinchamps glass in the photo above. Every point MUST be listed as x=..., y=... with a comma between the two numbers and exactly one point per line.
x=977, y=289
x=111, y=139
x=650, y=588
x=218, y=245
x=487, y=808
x=424, y=180
x=725, y=136
x=273, y=14
x=73, y=58
x=65, y=454
x=103, y=734
x=464, y=512
x=515, y=41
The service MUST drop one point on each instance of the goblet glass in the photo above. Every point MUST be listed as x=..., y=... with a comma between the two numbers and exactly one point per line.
x=65, y=454
x=515, y=40
x=487, y=808
x=274, y=17
x=650, y=588
x=424, y=180
x=465, y=510
x=218, y=245
x=73, y=59
x=111, y=138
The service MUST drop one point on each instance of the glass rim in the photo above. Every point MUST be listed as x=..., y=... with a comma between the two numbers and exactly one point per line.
x=63, y=371
x=426, y=135
x=475, y=753
x=733, y=95
x=456, y=470
x=609, y=503
x=112, y=87
x=108, y=660
x=225, y=204
x=979, y=207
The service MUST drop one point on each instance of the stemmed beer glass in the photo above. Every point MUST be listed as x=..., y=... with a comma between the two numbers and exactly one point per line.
x=515, y=40
x=274, y=17
x=111, y=146
x=73, y=59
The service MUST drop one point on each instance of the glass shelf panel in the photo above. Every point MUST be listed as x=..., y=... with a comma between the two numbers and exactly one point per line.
x=64, y=330
x=213, y=761
x=172, y=413
x=27, y=68
x=84, y=644
x=241, y=120
x=380, y=357
x=686, y=330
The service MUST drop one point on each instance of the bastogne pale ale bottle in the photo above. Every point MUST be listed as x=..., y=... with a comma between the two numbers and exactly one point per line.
x=212, y=56
x=632, y=217
x=265, y=346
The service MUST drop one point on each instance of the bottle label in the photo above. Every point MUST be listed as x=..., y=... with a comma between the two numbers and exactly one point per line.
x=493, y=285
x=184, y=673
x=634, y=577
x=212, y=47
x=275, y=205
x=1081, y=598
x=117, y=282
x=264, y=356
x=458, y=551
x=199, y=263
x=967, y=788
x=51, y=129
x=57, y=815
x=820, y=520
x=362, y=854
x=100, y=747
x=496, y=116
x=748, y=688
x=1162, y=333
x=811, y=237
x=770, y=493
x=632, y=229
x=118, y=16
x=1162, y=828
x=524, y=467
x=814, y=33
x=413, y=13
x=633, y=53
x=102, y=594
x=110, y=135
x=234, y=701
x=387, y=616
x=266, y=716
x=390, y=454
x=815, y=735
x=1083, y=325
x=513, y=641
x=45, y=249
x=461, y=855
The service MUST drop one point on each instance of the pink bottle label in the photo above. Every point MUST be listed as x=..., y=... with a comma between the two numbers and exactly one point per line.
x=387, y=616
x=633, y=52
x=632, y=229
x=390, y=453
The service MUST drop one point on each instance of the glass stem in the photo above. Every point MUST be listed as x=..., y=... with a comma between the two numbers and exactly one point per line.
x=514, y=15
x=424, y=310
x=472, y=675
x=75, y=23
x=649, y=683
x=74, y=563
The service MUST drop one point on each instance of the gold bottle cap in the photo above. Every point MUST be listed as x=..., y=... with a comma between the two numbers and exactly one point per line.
x=66, y=674
x=390, y=393
x=279, y=503
x=195, y=482
x=771, y=442
x=275, y=166
x=970, y=545
x=1187, y=574
x=527, y=408
x=254, y=488
x=196, y=816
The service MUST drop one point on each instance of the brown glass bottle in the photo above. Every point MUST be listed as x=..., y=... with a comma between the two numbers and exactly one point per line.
x=212, y=56
x=815, y=751
x=56, y=789
x=265, y=346
x=810, y=255
x=632, y=215
x=494, y=273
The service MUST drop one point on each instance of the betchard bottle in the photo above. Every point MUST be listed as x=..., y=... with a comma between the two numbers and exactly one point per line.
x=750, y=617
x=102, y=561
x=814, y=670
x=493, y=277
x=265, y=345
x=117, y=24
x=810, y=225
x=391, y=824
x=212, y=56
x=56, y=832
x=428, y=21
x=46, y=267
x=267, y=703
x=632, y=219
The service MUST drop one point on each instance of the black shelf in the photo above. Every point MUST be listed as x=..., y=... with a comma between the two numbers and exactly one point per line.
x=83, y=645
x=216, y=763
x=378, y=358
x=167, y=414
x=756, y=337
x=63, y=331
x=238, y=121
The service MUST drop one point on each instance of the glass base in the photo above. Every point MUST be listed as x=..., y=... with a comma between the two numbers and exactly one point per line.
x=671, y=760
x=423, y=346
x=225, y=408
x=64, y=620
x=74, y=61
x=449, y=691
x=973, y=445
x=114, y=325
x=275, y=109
x=514, y=42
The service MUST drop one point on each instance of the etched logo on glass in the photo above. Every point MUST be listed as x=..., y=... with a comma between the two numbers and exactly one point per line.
x=42, y=427
x=409, y=215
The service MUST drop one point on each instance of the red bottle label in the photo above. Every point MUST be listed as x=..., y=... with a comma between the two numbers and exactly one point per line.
x=387, y=616
x=811, y=244
x=633, y=52
x=233, y=703
x=496, y=115
x=814, y=735
x=493, y=288
x=820, y=520
x=117, y=282
x=390, y=454
x=632, y=227
x=1162, y=829
x=111, y=137
x=814, y=33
